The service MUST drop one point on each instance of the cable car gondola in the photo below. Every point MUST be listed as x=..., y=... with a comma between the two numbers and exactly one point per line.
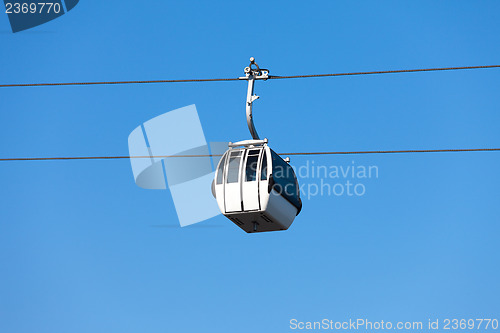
x=255, y=188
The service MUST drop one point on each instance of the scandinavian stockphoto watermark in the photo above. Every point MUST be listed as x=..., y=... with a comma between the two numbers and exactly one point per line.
x=174, y=153
x=335, y=180
x=27, y=14
x=366, y=325
x=179, y=158
x=316, y=179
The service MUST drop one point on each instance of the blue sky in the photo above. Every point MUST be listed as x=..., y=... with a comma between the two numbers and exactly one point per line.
x=83, y=249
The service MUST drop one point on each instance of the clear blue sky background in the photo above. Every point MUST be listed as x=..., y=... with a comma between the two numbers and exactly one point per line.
x=83, y=249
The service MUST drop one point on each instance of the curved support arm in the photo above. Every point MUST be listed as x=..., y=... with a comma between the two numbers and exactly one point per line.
x=253, y=72
x=250, y=98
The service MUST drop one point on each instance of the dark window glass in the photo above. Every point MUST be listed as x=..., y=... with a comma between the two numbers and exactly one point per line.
x=251, y=167
x=233, y=168
x=263, y=173
x=220, y=171
x=285, y=180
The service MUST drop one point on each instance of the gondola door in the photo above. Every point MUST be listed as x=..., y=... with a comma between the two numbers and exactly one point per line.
x=264, y=172
x=250, y=181
x=232, y=188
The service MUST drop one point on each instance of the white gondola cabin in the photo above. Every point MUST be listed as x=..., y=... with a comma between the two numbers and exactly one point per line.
x=255, y=188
